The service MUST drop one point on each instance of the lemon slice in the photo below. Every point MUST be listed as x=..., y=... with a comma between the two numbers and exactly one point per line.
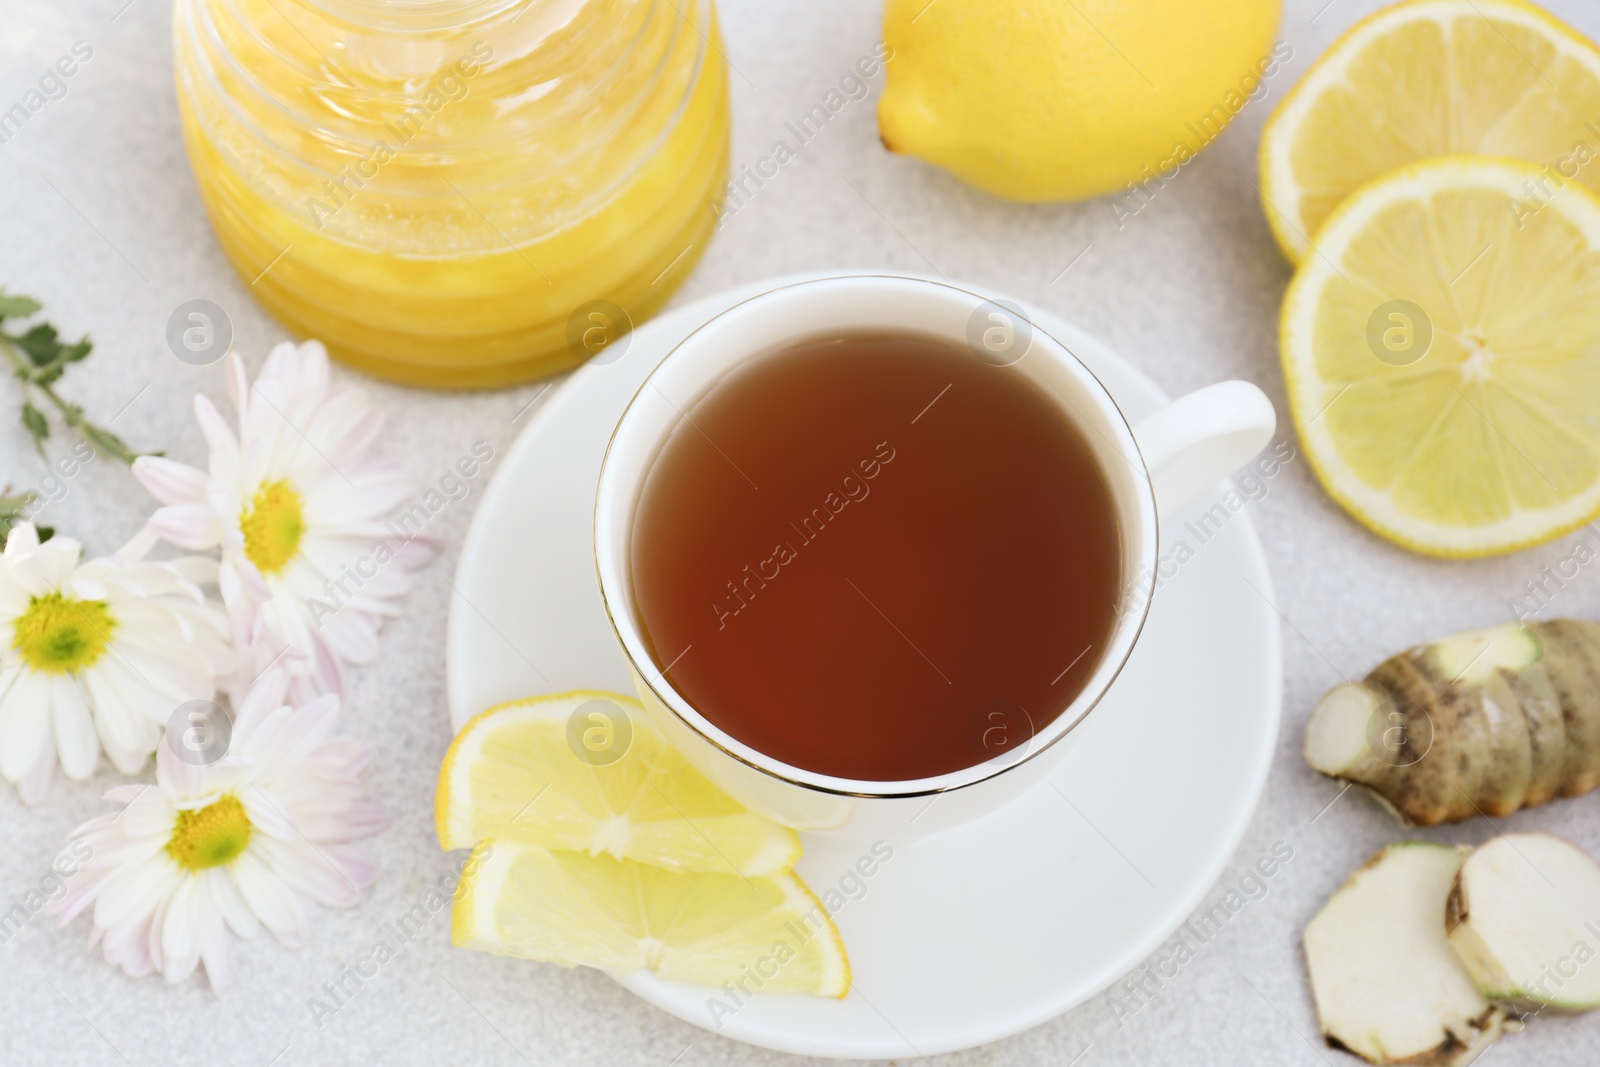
x=767, y=935
x=1442, y=356
x=1430, y=78
x=588, y=771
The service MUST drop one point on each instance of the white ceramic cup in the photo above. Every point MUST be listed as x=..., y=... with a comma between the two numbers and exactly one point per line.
x=1154, y=469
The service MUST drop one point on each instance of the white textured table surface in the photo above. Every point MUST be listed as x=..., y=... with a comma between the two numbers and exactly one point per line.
x=101, y=222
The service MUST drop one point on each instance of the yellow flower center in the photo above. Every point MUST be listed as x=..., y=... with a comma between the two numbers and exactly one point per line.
x=58, y=634
x=211, y=836
x=272, y=526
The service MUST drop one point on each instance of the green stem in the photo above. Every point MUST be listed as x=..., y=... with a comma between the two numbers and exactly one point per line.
x=102, y=440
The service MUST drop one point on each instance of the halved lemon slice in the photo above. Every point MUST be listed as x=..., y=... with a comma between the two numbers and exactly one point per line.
x=1442, y=356
x=588, y=771
x=1430, y=78
x=768, y=935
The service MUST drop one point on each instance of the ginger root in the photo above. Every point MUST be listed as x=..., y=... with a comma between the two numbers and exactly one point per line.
x=1386, y=984
x=1428, y=953
x=1485, y=722
x=1522, y=916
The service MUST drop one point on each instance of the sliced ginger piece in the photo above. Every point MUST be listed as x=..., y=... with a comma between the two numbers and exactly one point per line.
x=1387, y=984
x=1524, y=917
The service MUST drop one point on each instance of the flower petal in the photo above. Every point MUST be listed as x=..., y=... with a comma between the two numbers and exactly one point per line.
x=240, y=919
x=310, y=870
x=129, y=948
x=150, y=814
x=82, y=890
x=267, y=814
x=128, y=714
x=199, y=570
x=136, y=891
x=191, y=526
x=76, y=742
x=169, y=481
x=23, y=538
x=360, y=867
x=212, y=933
x=350, y=636
x=269, y=898
x=224, y=446
x=179, y=778
x=26, y=726
x=45, y=568
x=138, y=546
x=362, y=819
x=36, y=782
x=180, y=936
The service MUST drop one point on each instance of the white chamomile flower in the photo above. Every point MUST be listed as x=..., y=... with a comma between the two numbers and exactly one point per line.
x=97, y=654
x=309, y=565
x=247, y=841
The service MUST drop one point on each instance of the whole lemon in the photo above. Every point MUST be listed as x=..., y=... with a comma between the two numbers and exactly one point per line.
x=1064, y=99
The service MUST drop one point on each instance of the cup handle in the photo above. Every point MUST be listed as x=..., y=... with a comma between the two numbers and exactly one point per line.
x=1198, y=440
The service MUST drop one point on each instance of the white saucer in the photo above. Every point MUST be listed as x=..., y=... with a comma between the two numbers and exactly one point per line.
x=983, y=931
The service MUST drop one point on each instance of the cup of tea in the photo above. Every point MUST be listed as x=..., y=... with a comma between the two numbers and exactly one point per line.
x=874, y=546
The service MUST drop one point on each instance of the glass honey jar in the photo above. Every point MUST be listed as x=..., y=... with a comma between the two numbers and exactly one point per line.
x=443, y=191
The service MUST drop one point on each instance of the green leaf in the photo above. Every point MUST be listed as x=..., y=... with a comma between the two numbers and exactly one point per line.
x=17, y=307
x=35, y=421
x=41, y=343
x=107, y=443
x=38, y=359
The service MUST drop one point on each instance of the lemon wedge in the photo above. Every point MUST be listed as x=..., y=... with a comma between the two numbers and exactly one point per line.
x=767, y=935
x=588, y=771
x=1430, y=78
x=1442, y=356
